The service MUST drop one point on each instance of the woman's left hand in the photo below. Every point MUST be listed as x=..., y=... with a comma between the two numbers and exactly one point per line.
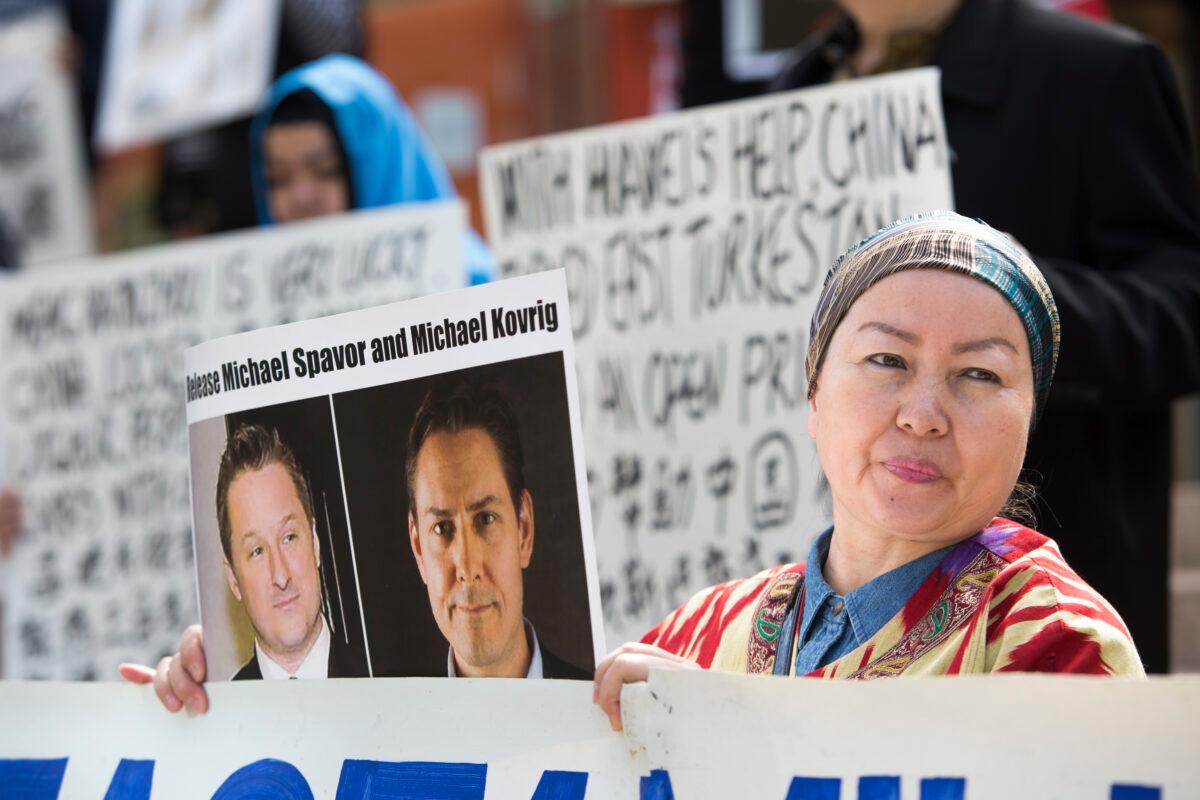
x=629, y=663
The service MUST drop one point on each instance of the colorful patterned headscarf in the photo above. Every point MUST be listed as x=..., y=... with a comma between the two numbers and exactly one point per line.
x=946, y=241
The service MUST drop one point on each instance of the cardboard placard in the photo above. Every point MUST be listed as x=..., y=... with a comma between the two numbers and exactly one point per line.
x=695, y=244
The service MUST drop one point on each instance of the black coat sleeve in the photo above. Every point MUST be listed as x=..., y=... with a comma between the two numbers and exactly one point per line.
x=1131, y=312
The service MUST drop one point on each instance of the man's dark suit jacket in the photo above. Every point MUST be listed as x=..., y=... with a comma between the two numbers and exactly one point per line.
x=344, y=662
x=555, y=667
x=1070, y=136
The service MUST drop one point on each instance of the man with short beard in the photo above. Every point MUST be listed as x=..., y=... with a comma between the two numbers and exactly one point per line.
x=471, y=528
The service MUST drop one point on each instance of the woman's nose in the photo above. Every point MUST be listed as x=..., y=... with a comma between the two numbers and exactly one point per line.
x=921, y=410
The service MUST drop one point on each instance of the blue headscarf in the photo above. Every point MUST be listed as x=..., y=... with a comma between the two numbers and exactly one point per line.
x=946, y=241
x=389, y=159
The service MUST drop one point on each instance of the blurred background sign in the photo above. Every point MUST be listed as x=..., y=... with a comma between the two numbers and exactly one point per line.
x=93, y=418
x=175, y=67
x=43, y=193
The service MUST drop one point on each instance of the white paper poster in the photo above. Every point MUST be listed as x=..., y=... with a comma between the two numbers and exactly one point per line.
x=93, y=413
x=689, y=736
x=175, y=67
x=43, y=191
x=963, y=738
x=695, y=244
x=397, y=491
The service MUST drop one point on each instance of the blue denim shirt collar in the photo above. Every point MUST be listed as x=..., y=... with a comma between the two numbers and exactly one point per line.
x=871, y=605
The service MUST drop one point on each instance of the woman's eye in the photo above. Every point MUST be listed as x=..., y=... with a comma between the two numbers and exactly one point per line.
x=256, y=552
x=984, y=375
x=888, y=360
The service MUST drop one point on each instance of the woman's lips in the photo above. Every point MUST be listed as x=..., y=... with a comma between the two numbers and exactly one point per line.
x=913, y=470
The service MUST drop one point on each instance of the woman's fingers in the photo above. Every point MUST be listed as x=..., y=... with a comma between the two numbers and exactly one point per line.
x=607, y=662
x=629, y=663
x=601, y=670
x=186, y=688
x=136, y=673
x=179, y=678
x=162, y=686
x=191, y=653
x=626, y=668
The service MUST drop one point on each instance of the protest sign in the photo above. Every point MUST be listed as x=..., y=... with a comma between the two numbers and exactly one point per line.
x=976, y=738
x=93, y=415
x=371, y=486
x=695, y=244
x=171, y=68
x=43, y=195
x=688, y=735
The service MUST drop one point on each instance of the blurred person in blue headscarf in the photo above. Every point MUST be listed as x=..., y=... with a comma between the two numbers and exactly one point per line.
x=333, y=135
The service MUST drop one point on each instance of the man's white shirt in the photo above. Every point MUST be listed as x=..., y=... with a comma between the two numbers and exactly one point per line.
x=315, y=664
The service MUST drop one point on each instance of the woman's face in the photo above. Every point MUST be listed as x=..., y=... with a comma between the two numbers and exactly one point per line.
x=304, y=170
x=923, y=407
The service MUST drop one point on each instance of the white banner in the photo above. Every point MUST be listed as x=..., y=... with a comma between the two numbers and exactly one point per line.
x=93, y=417
x=688, y=735
x=965, y=738
x=337, y=544
x=171, y=68
x=43, y=191
x=695, y=244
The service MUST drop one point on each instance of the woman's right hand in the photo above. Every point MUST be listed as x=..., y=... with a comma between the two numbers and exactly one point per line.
x=179, y=679
x=630, y=663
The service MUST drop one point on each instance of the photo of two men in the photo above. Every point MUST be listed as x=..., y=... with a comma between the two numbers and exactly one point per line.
x=423, y=528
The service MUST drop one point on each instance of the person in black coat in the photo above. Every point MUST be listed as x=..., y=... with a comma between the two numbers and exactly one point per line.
x=1070, y=136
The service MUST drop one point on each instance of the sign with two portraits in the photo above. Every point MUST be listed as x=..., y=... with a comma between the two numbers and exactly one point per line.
x=397, y=491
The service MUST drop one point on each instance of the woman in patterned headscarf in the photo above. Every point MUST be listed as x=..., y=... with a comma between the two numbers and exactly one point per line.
x=931, y=353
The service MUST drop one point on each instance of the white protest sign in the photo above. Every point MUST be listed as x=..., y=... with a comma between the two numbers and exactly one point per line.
x=688, y=735
x=386, y=738
x=967, y=738
x=171, y=68
x=695, y=244
x=301, y=439
x=43, y=193
x=94, y=420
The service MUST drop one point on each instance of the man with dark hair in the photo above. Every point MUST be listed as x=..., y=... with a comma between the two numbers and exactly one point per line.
x=471, y=527
x=273, y=558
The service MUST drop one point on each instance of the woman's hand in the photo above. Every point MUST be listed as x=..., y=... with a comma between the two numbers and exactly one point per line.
x=179, y=679
x=629, y=663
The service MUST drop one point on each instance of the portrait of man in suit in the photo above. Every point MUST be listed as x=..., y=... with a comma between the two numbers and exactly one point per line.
x=272, y=558
x=471, y=526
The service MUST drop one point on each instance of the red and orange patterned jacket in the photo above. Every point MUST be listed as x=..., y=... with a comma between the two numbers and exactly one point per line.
x=1002, y=601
